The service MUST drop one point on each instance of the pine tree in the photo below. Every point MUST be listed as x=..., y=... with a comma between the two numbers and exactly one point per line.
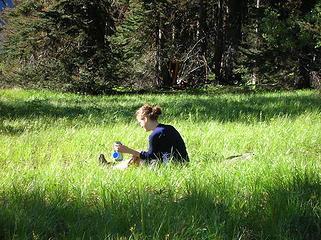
x=287, y=44
x=61, y=44
x=130, y=44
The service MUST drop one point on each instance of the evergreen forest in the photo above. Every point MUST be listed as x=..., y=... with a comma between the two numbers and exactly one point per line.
x=98, y=46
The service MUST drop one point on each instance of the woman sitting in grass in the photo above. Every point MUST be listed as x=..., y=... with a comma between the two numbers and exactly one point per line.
x=165, y=142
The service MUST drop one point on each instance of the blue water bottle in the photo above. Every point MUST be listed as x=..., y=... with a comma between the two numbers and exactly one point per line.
x=117, y=156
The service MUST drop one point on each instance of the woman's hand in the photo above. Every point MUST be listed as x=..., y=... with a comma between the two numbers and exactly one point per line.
x=121, y=148
x=124, y=149
x=134, y=161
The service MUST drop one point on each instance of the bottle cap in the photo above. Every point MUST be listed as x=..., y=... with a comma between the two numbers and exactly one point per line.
x=116, y=155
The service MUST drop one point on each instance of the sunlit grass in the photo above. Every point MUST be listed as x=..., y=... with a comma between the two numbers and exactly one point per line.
x=53, y=188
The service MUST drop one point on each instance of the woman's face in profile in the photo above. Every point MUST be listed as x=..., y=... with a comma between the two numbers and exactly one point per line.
x=143, y=123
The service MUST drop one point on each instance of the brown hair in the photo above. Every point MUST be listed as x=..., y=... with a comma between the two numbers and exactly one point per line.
x=150, y=112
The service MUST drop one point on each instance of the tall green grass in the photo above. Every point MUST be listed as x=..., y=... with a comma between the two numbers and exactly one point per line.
x=51, y=186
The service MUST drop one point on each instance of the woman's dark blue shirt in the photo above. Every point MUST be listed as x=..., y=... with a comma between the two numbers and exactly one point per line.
x=165, y=143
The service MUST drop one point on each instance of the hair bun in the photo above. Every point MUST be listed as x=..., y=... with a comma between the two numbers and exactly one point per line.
x=157, y=110
x=149, y=111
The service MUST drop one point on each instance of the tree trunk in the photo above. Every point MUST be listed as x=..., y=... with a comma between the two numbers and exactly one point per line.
x=235, y=10
x=303, y=80
x=166, y=80
x=219, y=41
x=254, y=78
x=162, y=64
x=305, y=61
x=158, y=48
x=203, y=35
x=203, y=29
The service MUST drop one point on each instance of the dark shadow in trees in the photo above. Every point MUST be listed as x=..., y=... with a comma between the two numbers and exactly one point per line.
x=248, y=109
x=198, y=215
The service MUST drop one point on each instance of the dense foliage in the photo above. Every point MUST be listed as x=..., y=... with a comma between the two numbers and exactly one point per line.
x=286, y=42
x=93, y=46
x=60, y=43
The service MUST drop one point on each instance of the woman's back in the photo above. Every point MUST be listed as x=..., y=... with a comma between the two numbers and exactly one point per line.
x=165, y=143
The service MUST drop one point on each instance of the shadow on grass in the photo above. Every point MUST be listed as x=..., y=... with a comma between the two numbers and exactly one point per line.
x=31, y=216
x=290, y=211
x=223, y=108
x=285, y=209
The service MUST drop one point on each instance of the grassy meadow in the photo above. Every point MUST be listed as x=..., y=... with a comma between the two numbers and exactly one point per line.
x=52, y=187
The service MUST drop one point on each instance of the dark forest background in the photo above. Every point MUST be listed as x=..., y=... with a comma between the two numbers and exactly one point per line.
x=96, y=46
